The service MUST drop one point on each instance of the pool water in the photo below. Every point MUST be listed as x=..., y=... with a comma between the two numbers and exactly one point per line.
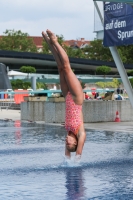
x=33, y=167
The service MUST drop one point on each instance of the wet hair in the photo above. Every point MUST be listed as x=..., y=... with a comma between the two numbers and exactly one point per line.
x=73, y=148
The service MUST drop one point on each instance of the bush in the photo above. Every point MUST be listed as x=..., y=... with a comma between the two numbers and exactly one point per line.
x=130, y=72
x=19, y=84
x=40, y=85
x=131, y=81
x=103, y=70
x=101, y=84
x=112, y=84
x=27, y=69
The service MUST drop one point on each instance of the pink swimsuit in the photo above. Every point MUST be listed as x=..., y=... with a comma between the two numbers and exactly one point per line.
x=73, y=112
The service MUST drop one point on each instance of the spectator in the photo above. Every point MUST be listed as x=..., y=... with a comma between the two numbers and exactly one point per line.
x=118, y=97
x=118, y=90
x=96, y=95
x=86, y=96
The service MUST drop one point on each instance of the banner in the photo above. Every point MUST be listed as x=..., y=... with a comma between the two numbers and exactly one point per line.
x=118, y=24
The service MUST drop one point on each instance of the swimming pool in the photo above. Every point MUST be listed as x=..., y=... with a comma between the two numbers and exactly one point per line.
x=32, y=164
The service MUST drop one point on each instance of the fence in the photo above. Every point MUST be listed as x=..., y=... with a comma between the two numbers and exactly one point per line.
x=13, y=98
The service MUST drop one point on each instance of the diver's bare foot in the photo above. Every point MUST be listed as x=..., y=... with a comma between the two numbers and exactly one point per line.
x=52, y=36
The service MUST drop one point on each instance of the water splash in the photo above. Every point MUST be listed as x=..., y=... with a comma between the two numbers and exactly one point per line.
x=72, y=162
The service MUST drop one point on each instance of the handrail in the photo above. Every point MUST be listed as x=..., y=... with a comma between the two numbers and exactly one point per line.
x=51, y=91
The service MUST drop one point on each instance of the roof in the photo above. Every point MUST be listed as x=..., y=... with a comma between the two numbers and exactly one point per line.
x=77, y=43
x=71, y=43
x=37, y=40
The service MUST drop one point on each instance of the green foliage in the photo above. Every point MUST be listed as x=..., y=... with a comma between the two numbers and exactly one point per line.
x=96, y=51
x=130, y=72
x=123, y=56
x=126, y=54
x=40, y=85
x=17, y=41
x=26, y=85
x=112, y=84
x=19, y=84
x=116, y=82
x=60, y=39
x=101, y=84
x=75, y=53
x=28, y=69
x=45, y=48
x=131, y=81
x=103, y=70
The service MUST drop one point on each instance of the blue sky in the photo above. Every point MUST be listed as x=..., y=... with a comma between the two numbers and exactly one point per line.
x=73, y=19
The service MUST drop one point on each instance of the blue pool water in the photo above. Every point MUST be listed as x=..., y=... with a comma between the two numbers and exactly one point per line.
x=32, y=164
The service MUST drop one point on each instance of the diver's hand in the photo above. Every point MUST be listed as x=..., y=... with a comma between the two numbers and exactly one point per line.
x=77, y=158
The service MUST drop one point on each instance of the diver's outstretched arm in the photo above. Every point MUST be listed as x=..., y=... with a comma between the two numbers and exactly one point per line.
x=67, y=153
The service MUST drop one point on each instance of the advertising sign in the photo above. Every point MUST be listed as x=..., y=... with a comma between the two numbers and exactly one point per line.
x=118, y=24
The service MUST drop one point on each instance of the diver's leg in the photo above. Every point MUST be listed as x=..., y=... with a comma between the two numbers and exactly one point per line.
x=72, y=81
x=63, y=83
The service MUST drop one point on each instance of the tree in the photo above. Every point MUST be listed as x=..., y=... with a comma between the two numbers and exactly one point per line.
x=103, y=70
x=45, y=48
x=17, y=41
x=96, y=51
x=28, y=69
x=75, y=53
x=126, y=52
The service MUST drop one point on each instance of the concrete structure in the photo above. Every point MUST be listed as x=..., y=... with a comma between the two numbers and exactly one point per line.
x=45, y=64
x=93, y=111
x=4, y=80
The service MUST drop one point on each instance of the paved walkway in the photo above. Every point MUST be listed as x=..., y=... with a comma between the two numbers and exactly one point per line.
x=109, y=126
x=10, y=114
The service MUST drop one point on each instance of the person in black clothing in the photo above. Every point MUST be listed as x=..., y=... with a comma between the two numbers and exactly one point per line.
x=118, y=90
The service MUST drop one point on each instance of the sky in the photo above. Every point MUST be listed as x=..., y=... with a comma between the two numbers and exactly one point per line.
x=74, y=19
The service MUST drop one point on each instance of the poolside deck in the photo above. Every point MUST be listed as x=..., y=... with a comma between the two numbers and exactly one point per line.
x=127, y=127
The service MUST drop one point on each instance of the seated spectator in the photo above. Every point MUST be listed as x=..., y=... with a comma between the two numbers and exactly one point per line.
x=96, y=95
x=87, y=97
x=118, y=97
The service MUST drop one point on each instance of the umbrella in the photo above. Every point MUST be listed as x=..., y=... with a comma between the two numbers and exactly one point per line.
x=16, y=73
